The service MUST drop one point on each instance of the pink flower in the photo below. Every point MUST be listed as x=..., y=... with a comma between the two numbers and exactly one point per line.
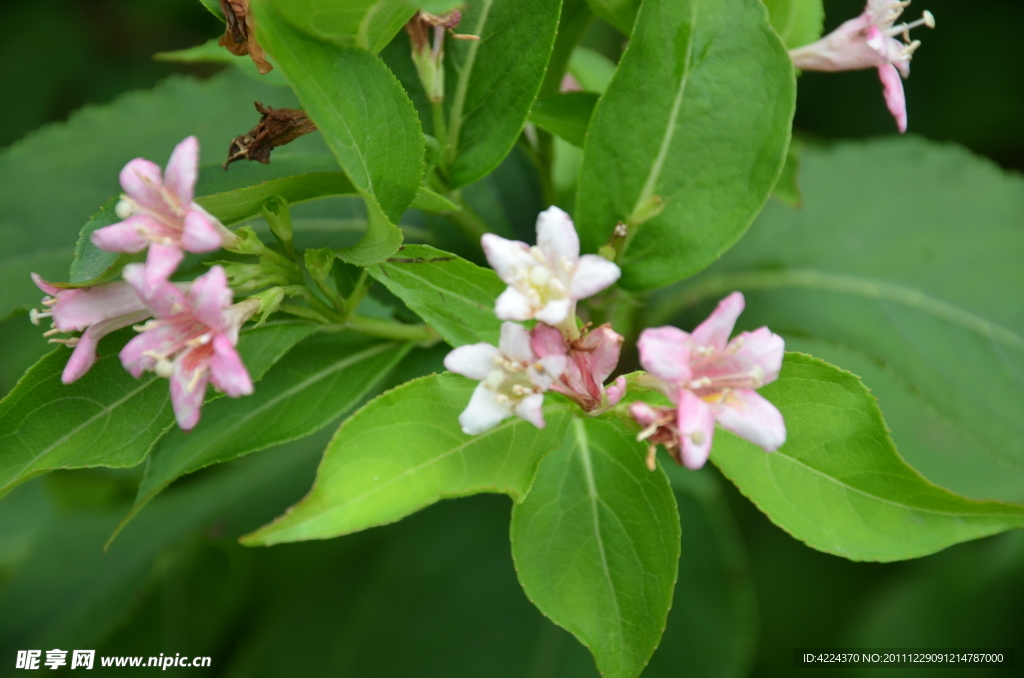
x=709, y=378
x=97, y=310
x=869, y=41
x=589, y=361
x=512, y=380
x=546, y=281
x=191, y=340
x=159, y=213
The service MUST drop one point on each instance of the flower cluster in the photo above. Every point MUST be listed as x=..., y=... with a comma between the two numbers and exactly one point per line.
x=708, y=378
x=189, y=330
x=869, y=41
x=544, y=284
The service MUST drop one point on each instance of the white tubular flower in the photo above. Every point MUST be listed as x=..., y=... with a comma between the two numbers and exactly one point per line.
x=545, y=281
x=512, y=380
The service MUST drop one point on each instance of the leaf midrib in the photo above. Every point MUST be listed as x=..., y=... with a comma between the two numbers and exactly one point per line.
x=88, y=422
x=462, y=88
x=906, y=507
x=284, y=395
x=583, y=445
x=670, y=130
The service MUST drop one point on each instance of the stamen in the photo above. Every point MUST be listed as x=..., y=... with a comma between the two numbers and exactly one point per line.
x=536, y=253
x=495, y=379
x=70, y=343
x=125, y=208
x=702, y=382
x=652, y=463
x=34, y=315
x=49, y=301
x=148, y=325
x=540, y=275
x=927, y=19
x=698, y=437
x=501, y=399
x=164, y=368
x=194, y=381
x=53, y=332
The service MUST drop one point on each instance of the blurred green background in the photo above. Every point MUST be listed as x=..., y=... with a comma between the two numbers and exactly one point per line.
x=436, y=595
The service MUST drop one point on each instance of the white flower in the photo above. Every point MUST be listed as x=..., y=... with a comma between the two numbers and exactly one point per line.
x=512, y=380
x=545, y=281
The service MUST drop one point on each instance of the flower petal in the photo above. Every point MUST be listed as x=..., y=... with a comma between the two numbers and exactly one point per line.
x=46, y=287
x=131, y=235
x=163, y=298
x=161, y=262
x=182, y=168
x=753, y=418
x=515, y=343
x=531, y=408
x=554, y=312
x=139, y=354
x=80, y=308
x=556, y=237
x=209, y=296
x=506, y=257
x=696, y=425
x=483, y=412
x=665, y=354
x=513, y=305
x=644, y=414
x=142, y=182
x=716, y=329
x=546, y=340
x=895, y=100
x=603, y=345
x=593, y=274
x=474, y=361
x=188, y=387
x=616, y=391
x=200, y=232
x=81, y=359
x=554, y=367
x=227, y=372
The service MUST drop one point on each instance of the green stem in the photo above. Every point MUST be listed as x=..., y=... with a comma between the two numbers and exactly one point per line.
x=305, y=313
x=388, y=329
x=358, y=292
x=332, y=295
x=440, y=125
x=471, y=225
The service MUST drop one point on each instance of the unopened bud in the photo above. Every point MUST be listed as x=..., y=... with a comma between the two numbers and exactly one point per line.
x=649, y=207
x=275, y=211
x=247, y=242
x=319, y=263
x=269, y=300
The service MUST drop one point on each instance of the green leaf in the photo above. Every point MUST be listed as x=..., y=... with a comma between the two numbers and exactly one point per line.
x=366, y=119
x=452, y=295
x=596, y=545
x=798, y=22
x=214, y=7
x=566, y=115
x=366, y=24
x=713, y=626
x=315, y=383
x=667, y=132
x=404, y=451
x=575, y=18
x=491, y=83
x=922, y=277
x=838, y=483
x=619, y=13
x=210, y=52
x=942, y=451
x=39, y=230
x=593, y=70
x=106, y=418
